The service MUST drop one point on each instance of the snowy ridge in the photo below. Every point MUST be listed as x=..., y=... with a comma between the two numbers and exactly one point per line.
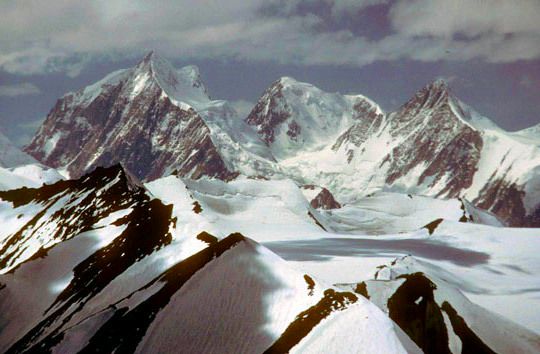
x=531, y=134
x=136, y=286
x=129, y=267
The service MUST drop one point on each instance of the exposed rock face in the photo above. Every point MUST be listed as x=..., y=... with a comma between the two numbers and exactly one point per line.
x=506, y=199
x=325, y=200
x=292, y=117
x=269, y=112
x=132, y=116
x=437, y=138
x=368, y=120
x=67, y=208
x=436, y=315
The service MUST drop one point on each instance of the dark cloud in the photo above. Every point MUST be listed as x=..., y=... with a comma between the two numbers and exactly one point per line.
x=59, y=35
x=385, y=49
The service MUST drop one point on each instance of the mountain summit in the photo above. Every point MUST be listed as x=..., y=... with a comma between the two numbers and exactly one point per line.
x=146, y=117
x=157, y=120
x=183, y=85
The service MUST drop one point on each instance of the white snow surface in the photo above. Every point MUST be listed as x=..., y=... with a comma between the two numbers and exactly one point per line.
x=32, y=176
x=272, y=296
x=495, y=267
x=502, y=335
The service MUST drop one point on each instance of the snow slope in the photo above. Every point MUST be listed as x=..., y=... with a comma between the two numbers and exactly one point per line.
x=390, y=213
x=33, y=175
x=110, y=285
x=493, y=266
x=408, y=289
x=127, y=267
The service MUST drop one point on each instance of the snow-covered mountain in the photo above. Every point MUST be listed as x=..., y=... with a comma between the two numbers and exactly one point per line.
x=294, y=117
x=157, y=120
x=152, y=118
x=433, y=145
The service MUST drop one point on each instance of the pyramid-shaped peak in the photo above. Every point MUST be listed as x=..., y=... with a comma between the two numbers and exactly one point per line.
x=435, y=92
x=148, y=57
x=154, y=62
x=183, y=85
x=439, y=84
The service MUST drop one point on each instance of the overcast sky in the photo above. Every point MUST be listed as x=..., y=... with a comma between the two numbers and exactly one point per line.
x=489, y=50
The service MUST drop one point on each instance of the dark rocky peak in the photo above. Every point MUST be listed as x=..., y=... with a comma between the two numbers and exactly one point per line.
x=436, y=102
x=270, y=111
x=325, y=200
x=125, y=176
x=432, y=95
x=66, y=208
x=98, y=178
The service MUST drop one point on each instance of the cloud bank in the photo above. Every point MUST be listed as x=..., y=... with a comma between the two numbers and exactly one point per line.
x=21, y=89
x=61, y=35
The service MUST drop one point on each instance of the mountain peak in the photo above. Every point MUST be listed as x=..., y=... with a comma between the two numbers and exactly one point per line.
x=432, y=95
x=153, y=62
x=148, y=57
x=439, y=85
x=184, y=85
x=287, y=80
x=440, y=82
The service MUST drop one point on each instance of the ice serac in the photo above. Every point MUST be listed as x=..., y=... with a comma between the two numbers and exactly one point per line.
x=146, y=117
x=293, y=117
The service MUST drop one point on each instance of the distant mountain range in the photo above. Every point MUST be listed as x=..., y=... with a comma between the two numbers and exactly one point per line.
x=157, y=120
